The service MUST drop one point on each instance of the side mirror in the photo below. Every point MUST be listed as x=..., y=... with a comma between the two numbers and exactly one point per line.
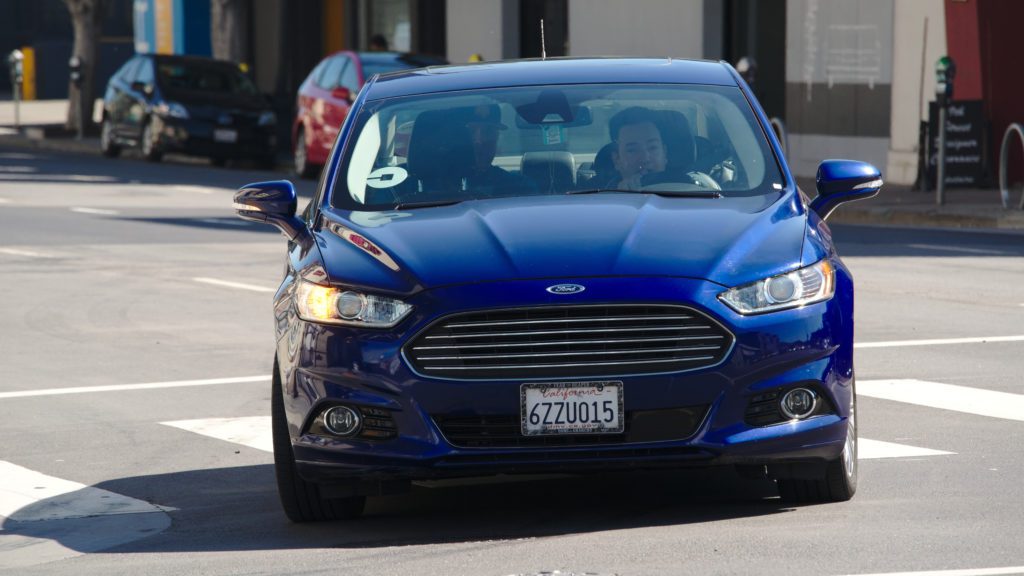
x=342, y=93
x=841, y=181
x=271, y=202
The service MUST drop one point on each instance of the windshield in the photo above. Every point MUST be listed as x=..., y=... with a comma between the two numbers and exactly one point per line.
x=204, y=78
x=478, y=144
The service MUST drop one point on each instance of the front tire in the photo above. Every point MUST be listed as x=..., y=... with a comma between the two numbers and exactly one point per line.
x=300, y=499
x=107, y=145
x=150, y=147
x=839, y=483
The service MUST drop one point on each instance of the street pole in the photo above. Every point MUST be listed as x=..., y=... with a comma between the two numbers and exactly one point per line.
x=940, y=184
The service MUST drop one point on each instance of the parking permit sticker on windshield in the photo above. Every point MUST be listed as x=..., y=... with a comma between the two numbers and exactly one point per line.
x=552, y=134
x=386, y=177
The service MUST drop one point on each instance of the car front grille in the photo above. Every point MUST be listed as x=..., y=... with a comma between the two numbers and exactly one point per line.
x=569, y=341
x=505, y=431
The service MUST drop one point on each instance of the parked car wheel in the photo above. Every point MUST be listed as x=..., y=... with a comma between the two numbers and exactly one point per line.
x=840, y=481
x=301, y=158
x=107, y=145
x=150, y=148
x=300, y=499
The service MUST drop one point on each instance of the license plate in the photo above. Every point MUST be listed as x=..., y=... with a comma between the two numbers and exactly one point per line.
x=571, y=408
x=222, y=135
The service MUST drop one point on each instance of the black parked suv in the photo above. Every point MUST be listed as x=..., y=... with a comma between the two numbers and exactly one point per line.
x=187, y=104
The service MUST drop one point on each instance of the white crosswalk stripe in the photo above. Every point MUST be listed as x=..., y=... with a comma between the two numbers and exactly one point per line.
x=947, y=397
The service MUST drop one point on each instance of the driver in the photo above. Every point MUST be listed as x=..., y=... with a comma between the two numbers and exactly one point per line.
x=639, y=149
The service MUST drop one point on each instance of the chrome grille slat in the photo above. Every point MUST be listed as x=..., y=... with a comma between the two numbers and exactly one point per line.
x=577, y=353
x=569, y=341
x=581, y=331
x=563, y=321
x=560, y=365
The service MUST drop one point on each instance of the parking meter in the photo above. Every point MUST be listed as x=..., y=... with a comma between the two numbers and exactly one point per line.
x=945, y=72
x=15, y=63
x=75, y=69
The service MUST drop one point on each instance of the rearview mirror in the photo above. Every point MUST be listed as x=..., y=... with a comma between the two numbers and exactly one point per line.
x=271, y=202
x=840, y=181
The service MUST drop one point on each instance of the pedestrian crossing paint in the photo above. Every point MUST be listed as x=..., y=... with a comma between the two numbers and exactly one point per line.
x=254, y=432
x=29, y=496
x=251, y=431
x=947, y=397
x=46, y=519
x=875, y=449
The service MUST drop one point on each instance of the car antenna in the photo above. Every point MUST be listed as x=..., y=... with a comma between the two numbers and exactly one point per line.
x=543, y=52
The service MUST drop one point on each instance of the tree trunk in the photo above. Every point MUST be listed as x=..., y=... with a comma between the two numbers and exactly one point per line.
x=86, y=16
x=229, y=32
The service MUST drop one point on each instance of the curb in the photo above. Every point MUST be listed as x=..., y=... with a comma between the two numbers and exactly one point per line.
x=928, y=217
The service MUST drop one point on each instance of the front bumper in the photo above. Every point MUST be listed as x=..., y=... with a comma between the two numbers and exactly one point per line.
x=200, y=138
x=326, y=365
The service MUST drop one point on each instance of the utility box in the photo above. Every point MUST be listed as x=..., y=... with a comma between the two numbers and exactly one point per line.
x=172, y=27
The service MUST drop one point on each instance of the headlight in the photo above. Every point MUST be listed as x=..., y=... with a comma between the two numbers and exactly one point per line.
x=814, y=283
x=317, y=303
x=267, y=118
x=172, y=109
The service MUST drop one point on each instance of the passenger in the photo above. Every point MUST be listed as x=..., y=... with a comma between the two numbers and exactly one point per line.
x=484, y=179
x=639, y=149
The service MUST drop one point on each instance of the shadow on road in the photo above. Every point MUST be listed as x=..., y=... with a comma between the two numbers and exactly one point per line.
x=237, y=509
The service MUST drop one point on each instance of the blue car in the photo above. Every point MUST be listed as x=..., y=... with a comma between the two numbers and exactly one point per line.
x=563, y=265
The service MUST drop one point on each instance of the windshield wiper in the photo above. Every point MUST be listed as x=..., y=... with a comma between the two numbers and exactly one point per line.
x=666, y=193
x=414, y=205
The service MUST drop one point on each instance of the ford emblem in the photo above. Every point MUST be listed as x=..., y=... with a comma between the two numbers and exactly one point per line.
x=565, y=289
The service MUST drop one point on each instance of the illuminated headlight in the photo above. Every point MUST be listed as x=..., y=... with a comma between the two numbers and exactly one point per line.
x=317, y=303
x=814, y=283
x=267, y=118
x=173, y=110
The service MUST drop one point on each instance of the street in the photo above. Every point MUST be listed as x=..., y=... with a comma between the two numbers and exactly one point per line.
x=137, y=345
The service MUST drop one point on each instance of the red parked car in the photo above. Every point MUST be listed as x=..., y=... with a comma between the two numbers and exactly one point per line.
x=327, y=94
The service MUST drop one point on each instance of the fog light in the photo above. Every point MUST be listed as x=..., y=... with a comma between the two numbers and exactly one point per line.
x=342, y=420
x=798, y=403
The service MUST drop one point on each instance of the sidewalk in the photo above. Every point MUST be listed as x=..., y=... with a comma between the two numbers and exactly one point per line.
x=896, y=205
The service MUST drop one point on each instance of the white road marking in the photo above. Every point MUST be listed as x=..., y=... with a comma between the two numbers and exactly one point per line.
x=947, y=397
x=18, y=169
x=29, y=496
x=872, y=449
x=29, y=178
x=199, y=189
x=238, y=285
x=126, y=387
x=254, y=432
x=977, y=340
x=26, y=253
x=956, y=249
x=99, y=211
x=251, y=431
x=962, y=572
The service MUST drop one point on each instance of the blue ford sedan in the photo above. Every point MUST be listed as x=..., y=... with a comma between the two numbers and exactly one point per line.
x=566, y=265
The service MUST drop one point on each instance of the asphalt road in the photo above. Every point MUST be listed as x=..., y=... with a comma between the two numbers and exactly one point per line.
x=135, y=348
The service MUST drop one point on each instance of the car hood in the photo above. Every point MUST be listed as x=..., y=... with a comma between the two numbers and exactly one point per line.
x=729, y=241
